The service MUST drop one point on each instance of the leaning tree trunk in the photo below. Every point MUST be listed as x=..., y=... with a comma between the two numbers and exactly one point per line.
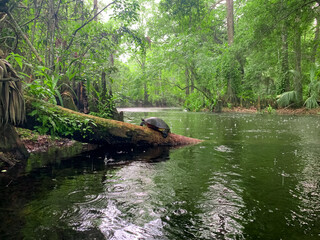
x=91, y=129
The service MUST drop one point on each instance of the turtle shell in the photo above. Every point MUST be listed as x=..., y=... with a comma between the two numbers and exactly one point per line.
x=157, y=124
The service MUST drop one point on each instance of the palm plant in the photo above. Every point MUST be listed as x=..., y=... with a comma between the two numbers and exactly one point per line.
x=12, y=105
x=287, y=98
x=313, y=90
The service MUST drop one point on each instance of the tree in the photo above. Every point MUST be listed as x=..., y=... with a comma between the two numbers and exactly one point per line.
x=12, y=112
x=230, y=21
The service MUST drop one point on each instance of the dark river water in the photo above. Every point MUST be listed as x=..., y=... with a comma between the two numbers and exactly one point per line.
x=255, y=177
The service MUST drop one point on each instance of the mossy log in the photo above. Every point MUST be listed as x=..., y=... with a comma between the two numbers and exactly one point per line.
x=105, y=131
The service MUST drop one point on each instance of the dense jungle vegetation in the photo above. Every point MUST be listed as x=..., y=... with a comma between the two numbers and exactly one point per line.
x=93, y=55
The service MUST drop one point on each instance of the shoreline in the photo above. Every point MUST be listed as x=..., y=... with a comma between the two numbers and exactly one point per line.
x=280, y=111
x=36, y=143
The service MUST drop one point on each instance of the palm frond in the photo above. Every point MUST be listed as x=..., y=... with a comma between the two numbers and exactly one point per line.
x=317, y=87
x=286, y=98
x=12, y=105
x=311, y=102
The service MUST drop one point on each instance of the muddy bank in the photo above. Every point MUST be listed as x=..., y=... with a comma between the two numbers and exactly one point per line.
x=287, y=111
x=35, y=142
x=37, y=145
x=299, y=111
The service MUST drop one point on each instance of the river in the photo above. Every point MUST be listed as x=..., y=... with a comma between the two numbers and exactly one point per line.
x=256, y=176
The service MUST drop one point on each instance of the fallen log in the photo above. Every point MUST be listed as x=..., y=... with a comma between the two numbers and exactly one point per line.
x=96, y=130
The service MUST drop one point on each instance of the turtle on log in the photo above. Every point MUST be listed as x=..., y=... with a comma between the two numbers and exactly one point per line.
x=157, y=124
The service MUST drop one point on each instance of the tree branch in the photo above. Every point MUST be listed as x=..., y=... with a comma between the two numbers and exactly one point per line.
x=10, y=79
x=76, y=31
x=37, y=16
x=200, y=90
x=17, y=27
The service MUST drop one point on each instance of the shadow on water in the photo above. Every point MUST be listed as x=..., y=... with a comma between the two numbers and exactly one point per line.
x=48, y=172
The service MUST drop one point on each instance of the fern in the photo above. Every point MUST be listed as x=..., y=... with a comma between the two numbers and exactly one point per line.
x=286, y=98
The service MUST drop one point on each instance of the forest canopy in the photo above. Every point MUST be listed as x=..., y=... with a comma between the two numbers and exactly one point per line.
x=94, y=55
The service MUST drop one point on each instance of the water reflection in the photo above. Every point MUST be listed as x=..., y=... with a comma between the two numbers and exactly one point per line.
x=256, y=177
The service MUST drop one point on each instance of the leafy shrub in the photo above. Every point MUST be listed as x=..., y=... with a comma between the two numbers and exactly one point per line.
x=57, y=124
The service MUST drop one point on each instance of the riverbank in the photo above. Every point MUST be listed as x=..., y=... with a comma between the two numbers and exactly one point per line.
x=281, y=111
x=36, y=143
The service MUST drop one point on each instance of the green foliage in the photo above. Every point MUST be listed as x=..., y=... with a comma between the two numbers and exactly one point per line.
x=105, y=105
x=311, y=102
x=270, y=109
x=157, y=49
x=126, y=11
x=194, y=102
x=16, y=58
x=287, y=98
x=313, y=89
x=45, y=86
x=57, y=124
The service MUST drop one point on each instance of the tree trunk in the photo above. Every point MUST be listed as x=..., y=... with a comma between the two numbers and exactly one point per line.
x=298, y=73
x=230, y=21
x=11, y=148
x=316, y=41
x=187, y=81
x=95, y=9
x=105, y=131
x=284, y=84
x=104, y=85
x=230, y=28
x=146, y=95
x=35, y=3
x=51, y=25
x=82, y=99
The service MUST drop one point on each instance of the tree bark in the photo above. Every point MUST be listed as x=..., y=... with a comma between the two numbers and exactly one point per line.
x=298, y=73
x=230, y=21
x=285, y=83
x=230, y=28
x=11, y=148
x=95, y=9
x=316, y=41
x=187, y=81
x=108, y=132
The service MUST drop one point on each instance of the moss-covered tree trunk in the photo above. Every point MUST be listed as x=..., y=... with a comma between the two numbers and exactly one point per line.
x=102, y=131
